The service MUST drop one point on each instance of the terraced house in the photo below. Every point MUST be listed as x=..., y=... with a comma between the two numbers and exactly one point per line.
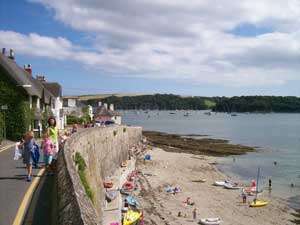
x=26, y=102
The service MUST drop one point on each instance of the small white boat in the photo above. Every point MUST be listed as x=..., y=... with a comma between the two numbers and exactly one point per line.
x=231, y=186
x=111, y=195
x=210, y=221
x=220, y=183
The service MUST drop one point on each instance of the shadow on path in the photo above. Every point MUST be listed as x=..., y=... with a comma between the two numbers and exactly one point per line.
x=43, y=204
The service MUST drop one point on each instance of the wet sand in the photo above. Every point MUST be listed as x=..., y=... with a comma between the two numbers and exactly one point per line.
x=170, y=169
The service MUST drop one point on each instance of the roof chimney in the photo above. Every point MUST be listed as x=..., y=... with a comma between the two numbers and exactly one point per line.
x=11, y=54
x=41, y=78
x=3, y=51
x=27, y=67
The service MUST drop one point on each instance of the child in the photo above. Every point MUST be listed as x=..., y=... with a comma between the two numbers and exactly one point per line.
x=244, y=195
x=27, y=154
x=48, y=149
x=195, y=214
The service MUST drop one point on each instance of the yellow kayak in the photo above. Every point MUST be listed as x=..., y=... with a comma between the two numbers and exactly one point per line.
x=124, y=164
x=258, y=203
x=131, y=217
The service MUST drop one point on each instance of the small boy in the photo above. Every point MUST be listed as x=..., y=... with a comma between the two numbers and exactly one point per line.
x=244, y=196
x=28, y=144
x=48, y=149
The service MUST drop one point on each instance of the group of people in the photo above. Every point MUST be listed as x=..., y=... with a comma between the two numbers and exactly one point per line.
x=52, y=139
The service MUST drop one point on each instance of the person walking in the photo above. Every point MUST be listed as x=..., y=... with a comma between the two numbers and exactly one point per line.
x=28, y=149
x=48, y=150
x=53, y=135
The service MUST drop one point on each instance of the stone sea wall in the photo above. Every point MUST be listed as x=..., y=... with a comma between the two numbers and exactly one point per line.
x=103, y=149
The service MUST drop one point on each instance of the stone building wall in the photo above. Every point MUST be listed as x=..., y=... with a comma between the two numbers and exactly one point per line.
x=103, y=149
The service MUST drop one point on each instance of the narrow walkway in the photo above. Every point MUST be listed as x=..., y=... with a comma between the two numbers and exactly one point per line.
x=13, y=185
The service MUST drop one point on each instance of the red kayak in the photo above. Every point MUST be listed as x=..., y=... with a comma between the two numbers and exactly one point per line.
x=128, y=186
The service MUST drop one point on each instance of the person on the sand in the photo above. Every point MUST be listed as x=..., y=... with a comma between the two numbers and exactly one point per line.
x=195, y=214
x=189, y=202
x=244, y=195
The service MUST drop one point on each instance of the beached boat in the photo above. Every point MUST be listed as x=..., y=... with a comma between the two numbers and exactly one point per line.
x=128, y=186
x=210, y=221
x=131, y=217
x=111, y=195
x=231, y=186
x=220, y=183
x=108, y=185
x=124, y=191
x=132, y=201
x=256, y=202
x=124, y=164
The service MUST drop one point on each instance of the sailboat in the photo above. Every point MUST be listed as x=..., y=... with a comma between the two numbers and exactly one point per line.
x=256, y=202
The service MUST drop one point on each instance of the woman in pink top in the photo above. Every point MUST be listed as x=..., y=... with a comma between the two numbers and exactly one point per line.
x=48, y=149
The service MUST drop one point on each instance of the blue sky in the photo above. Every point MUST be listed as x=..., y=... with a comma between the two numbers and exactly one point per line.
x=96, y=47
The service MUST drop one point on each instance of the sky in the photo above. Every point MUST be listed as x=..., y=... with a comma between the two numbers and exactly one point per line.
x=195, y=47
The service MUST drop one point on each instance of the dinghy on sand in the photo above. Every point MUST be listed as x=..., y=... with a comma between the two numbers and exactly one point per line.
x=111, y=195
x=132, y=201
x=219, y=183
x=210, y=221
x=131, y=217
x=231, y=186
x=256, y=202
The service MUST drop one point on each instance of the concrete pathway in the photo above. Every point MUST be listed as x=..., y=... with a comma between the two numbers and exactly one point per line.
x=13, y=185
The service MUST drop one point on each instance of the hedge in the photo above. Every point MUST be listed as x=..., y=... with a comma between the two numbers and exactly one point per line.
x=18, y=116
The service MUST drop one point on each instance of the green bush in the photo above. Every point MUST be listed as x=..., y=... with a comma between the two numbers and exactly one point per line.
x=71, y=119
x=79, y=161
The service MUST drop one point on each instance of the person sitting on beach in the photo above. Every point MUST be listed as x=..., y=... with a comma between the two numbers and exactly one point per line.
x=175, y=190
x=189, y=202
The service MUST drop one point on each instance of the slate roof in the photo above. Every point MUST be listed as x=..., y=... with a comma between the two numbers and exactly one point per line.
x=21, y=77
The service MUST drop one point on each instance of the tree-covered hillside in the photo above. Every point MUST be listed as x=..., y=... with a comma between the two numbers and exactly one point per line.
x=157, y=101
x=257, y=104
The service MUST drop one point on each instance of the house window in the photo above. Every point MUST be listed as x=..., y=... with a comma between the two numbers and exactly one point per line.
x=65, y=103
x=36, y=124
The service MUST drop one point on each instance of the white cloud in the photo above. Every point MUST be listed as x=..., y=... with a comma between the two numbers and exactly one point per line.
x=176, y=39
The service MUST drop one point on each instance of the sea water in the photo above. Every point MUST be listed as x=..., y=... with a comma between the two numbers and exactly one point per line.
x=277, y=135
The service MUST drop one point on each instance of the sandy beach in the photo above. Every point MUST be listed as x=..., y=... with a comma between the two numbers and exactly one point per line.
x=170, y=169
